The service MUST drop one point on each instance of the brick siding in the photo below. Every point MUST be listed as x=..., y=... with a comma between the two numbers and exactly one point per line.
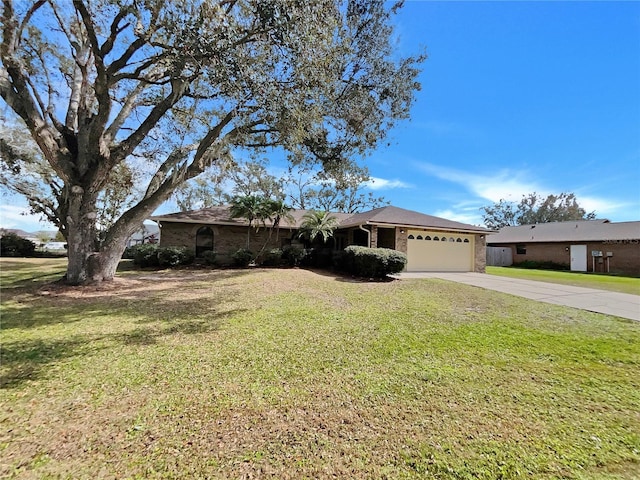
x=226, y=239
x=625, y=259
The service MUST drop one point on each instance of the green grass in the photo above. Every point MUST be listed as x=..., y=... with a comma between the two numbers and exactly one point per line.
x=295, y=374
x=588, y=280
x=21, y=272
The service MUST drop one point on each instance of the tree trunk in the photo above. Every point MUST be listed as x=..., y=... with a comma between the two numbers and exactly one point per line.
x=88, y=263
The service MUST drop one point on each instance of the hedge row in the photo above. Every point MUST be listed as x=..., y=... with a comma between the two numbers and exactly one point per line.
x=150, y=255
x=359, y=261
x=371, y=262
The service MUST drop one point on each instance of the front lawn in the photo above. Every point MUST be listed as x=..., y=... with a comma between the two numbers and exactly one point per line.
x=588, y=280
x=295, y=374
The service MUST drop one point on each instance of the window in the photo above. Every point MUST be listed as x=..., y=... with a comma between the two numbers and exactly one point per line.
x=443, y=239
x=466, y=240
x=419, y=237
x=521, y=249
x=451, y=239
x=458, y=240
x=411, y=237
x=204, y=240
x=436, y=238
x=427, y=237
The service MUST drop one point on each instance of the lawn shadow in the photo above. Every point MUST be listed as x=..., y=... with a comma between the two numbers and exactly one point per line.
x=155, y=306
x=27, y=360
x=348, y=278
x=148, y=294
x=24, y=360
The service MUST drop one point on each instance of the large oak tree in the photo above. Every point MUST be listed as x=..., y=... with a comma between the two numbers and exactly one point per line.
x=170, y=88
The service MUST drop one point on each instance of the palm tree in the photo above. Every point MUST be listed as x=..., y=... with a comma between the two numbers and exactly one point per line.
x=274, y=210
x=251, y=207
x=277, y=211
x=318, y=224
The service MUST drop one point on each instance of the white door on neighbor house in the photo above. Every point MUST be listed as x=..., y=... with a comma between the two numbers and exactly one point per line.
x=578, y=258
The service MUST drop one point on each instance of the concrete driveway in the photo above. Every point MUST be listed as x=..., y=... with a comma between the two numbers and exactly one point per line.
x=601, y=301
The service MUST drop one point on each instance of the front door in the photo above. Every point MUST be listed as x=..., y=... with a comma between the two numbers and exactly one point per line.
x=578, y=258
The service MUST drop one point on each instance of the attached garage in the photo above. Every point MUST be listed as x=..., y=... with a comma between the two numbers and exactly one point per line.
x=431, y=243
x=439, y=251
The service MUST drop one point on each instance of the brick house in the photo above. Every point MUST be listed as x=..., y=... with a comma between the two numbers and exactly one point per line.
x=584, y=246
x=431, y=243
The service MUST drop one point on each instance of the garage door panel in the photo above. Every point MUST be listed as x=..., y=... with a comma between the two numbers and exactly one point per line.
x=437, y=251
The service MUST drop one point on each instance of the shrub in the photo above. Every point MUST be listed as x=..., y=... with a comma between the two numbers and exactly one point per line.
x=128, y=253
x=174, y=256
x=373, y=262
x=542, y=265
x=209, y=257
x=12, y=245
x=318, y=257
x=145, y=255
x=242, y=257
x=338, y=260
x=293, y=255
x=273, y=258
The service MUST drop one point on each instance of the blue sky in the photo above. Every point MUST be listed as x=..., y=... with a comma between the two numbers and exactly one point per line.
x=516, y=97
x=519, y=97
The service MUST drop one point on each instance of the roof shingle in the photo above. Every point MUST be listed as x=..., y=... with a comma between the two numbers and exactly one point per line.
x=389, y=215
x=580, y=231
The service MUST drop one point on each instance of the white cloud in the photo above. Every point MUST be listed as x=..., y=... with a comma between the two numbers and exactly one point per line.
x=16, y=216
x=603, y=207
x=511, y=185
x=377, y=183
x=461, y=216
x=502, y=184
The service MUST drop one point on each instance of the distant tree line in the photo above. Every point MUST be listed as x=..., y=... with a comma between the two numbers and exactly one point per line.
x=534, y=208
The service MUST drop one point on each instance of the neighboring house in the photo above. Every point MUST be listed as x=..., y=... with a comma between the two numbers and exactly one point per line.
x=583, y=246
x=431, y=243
x=55, y=246
x=146, y=234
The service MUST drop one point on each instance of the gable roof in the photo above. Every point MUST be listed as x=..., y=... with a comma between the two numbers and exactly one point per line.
x=573, y=231
x=383, y=216
x=395, y=216
x=221, y=215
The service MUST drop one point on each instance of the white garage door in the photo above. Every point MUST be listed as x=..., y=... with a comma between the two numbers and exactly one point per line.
x=439, y=252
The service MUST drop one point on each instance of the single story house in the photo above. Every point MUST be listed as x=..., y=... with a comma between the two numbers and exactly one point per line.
x=431, y=243
x=583, y=246
x=147, y=233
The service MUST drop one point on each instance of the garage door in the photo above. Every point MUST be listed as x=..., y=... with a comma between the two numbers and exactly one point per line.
x=439, y=252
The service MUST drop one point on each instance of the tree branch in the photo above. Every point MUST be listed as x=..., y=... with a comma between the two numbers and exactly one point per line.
x=178, y=88
x=124, y=112
x=121, y=62
x=115, y=31
x=14, y=91
x=26, y=19
x=101, y=84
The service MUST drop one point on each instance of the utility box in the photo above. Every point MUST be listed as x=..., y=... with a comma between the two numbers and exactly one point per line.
x=609, y=254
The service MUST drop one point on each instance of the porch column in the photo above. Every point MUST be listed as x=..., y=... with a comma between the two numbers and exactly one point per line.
x=374, y=236
x=401, y=240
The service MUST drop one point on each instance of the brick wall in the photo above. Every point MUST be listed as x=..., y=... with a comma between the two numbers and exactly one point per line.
x=226, y=239
x=401, y=240
x=480, y=253
x=625, y=259
x=374, y=236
